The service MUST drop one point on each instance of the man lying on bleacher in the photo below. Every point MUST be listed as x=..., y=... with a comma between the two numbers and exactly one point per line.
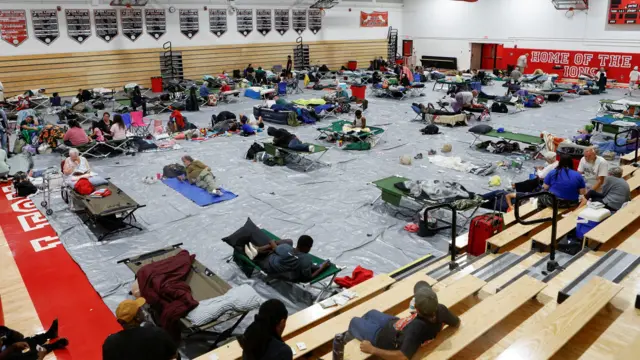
x=391, y=338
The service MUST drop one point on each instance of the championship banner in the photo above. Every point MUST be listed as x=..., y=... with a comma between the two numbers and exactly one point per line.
x=374, y=19
x=45, y=25
x=13, y=26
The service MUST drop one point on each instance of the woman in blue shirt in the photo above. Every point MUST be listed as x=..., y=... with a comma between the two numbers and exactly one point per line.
x=565, y=183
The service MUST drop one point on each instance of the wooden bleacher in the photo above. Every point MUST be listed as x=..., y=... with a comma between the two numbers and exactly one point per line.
x=315, y=314
x=544, y=338
x=629, y=158
x=448, y=296
x=481, y=318
x=631, y=351
x=627, y=170
x=607, y=230
x=65, y=73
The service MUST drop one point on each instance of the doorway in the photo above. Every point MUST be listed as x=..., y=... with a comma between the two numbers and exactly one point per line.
x=487, y=56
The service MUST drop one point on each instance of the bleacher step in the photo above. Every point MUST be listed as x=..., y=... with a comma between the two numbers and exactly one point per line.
x=499, y=265
x=416, y=266
x=539, y=271
x=612, y=266
x=443, y=271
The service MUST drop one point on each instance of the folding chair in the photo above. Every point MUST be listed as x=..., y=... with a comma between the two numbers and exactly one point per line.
x=419, y=116
x=282, y=88
x=138, y=126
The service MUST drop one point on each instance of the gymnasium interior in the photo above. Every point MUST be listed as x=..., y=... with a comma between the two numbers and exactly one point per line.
x=158, y=154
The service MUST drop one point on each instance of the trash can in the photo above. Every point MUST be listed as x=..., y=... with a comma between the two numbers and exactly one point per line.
x=358, y=91
x=352, y=65
x=156, y=84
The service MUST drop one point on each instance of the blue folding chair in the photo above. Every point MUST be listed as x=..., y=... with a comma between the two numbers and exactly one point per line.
x=418, y=112
x=282, y=88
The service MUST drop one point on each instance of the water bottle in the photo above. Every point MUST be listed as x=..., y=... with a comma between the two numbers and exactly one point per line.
x=338, y=346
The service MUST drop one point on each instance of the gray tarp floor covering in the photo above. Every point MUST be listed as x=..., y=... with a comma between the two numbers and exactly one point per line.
x=332, y=204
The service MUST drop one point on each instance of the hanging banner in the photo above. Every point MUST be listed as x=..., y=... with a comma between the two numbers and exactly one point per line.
x=13, y=26
x=299, y=21
x=263, y=21
x=131, y=20
x=106, y=23
x=189, y=22
x=156, y=21
x=374, y=19
x=218, y=21
x=315, y=20
x=244, y=20
x=45, y=25
x=571, y=64
x=78, y=24
x=281, y=20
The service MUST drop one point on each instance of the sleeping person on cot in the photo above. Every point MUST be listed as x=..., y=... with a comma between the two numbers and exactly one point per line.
x=283, y=138
x=283, y=259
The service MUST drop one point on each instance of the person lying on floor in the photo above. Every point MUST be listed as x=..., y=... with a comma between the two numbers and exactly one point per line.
x=391, y=338
x=565, y=183
x=615, y=191
x=285, y=139
x=464, y=100
x=75, y=136
x=14, y=346
x=200, y=175
x=263, y=338
x=283, y=259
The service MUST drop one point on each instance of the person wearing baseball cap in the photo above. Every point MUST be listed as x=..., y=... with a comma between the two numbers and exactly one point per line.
x=128, y=313
x=392, y=338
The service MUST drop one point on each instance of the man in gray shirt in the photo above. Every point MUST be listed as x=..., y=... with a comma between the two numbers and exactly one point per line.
x=615, y=191
x=516, y=74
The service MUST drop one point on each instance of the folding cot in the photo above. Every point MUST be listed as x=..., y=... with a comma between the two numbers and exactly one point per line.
x=392, y=195
x=509, y=136
x=558, y=92
x=442, y=82
x=97, y=149
x=249, y=266
x=281, y=153
x=361, y=140
x=204, y=284
x=229, y=96
x=113, y=213
x=606, y=123
x=608, y=105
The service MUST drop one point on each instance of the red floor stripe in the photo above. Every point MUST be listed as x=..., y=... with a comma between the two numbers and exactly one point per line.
x=57, y=285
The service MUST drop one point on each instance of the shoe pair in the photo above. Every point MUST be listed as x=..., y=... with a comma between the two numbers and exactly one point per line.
x=250, y=251
x=216, y=192
x=312, y=148
x=149, y=180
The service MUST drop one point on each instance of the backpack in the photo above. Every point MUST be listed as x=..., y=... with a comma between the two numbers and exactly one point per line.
x=25, y=187
x=83, y=186
x=98, y=105
x=173, y=170
x=253, y=150
x=430, y=130
x=481, y=228
x=499, y=107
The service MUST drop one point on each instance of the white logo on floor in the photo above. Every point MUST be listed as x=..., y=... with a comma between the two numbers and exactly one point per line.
x=45, y=243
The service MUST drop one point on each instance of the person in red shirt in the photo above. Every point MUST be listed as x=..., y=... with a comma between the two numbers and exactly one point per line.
x=75, y=136
x=225, y=87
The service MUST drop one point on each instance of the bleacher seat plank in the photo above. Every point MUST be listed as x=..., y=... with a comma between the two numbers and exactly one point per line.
x=314, y=314
x=481, y=318
x=514, y=232
x=628, y=170
x=512, y=272
x=606, y=230
x=544, y=338
x=629, y=158
x=449, y=296
x=630, y=351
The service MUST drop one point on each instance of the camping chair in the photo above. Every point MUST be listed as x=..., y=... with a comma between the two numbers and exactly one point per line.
x=281, y=154
x=321, y=282
x=419, y=115
x=204, y=284
x=282, y=88
x=292, y=86
x=138, y=126
x=326, y=111
x=392, y=195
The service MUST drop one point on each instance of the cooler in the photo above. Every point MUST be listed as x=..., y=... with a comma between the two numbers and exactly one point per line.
x=352, y=65
x=358, y=91
x=156, y=84
x=588, y=219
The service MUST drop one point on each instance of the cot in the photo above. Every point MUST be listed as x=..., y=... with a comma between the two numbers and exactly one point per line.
x=558, y=94
x=465, y=85
x=359, y=140
x=97, y=149
x=282, y=153
x=321, y=282
x=204, y=284
x=112, y=214
x=608, y=105
x=606, y=123
x=509, y=136
x=390, y=194
x=228, y=96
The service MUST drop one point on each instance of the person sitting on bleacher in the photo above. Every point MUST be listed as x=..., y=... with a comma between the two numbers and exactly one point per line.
x=263, y=338
x=14, y=346
x=615, y=191
x=565, y=183
x=391, y=338
x=594, y=168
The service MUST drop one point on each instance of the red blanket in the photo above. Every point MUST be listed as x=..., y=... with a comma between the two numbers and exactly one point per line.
x=359, y=275
x=163, y=286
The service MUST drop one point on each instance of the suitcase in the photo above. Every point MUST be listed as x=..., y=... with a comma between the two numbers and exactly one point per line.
x=482, y=228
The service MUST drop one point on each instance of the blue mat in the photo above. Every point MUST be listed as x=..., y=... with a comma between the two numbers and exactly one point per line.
x=196, y=194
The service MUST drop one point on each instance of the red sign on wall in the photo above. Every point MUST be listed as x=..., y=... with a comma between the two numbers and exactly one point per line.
x=374, y=19
x=13, y=26
x=570, y=64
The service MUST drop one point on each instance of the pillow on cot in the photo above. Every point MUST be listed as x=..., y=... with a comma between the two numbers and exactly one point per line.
x=258, y=237
x=481, y=129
